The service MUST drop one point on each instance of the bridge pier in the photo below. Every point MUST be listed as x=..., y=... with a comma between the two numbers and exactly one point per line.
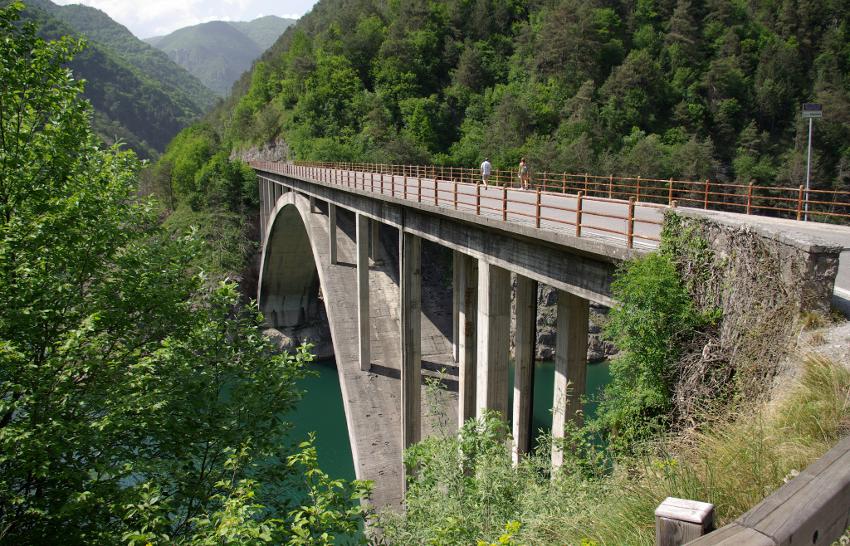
x=312, y=205
x=526, y=327
x=363, y=291
x=374, y=236
x=410, y=265
x=466, y=298
x=494, y=325
x=570, y=366
x=332, y=233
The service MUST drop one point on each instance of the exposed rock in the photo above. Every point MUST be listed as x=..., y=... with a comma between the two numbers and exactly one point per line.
x=270, y=151
x=282, y=341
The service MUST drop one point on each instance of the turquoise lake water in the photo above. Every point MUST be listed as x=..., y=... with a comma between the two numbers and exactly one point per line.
x=321, y=410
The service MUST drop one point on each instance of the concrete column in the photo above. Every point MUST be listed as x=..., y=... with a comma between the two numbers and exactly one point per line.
x=457, y=257
x=494, y=326
x=466, y=288
x=375, y=238
x=262, y=190
x=570, y=366
x=332, y=232
x=363, y=292
x=312, y=204
x=410, y=263
x=526, y=328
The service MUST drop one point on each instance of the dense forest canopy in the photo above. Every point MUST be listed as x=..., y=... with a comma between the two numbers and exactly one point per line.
x=657, y=88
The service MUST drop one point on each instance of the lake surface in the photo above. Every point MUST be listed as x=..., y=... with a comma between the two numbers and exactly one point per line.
x=321, y=410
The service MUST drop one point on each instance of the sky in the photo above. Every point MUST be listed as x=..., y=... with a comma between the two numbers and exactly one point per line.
x=158, y=17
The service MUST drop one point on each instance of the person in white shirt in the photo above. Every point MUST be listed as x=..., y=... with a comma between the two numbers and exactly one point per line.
x=485, y=170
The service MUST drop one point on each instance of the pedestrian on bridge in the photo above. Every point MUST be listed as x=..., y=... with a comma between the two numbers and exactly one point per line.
x=486, y=168
x=523, y=173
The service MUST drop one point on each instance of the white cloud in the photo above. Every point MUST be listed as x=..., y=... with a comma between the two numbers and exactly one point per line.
x=157, y=17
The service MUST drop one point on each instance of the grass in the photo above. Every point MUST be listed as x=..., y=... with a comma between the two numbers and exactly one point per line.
x=734, y=465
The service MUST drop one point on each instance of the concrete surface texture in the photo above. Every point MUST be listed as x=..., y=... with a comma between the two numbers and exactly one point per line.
x=371, y=399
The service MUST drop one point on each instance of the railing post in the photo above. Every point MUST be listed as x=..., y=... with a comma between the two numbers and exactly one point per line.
x=678, y=521
x=578, y=213
x=564, y=183
x=477, y=198
x=637, y=196
x=670, y=191
x=372, y=182
x=585, y=183
x=419, y=191
x=504, y=203
x=610, y=186
x=630, y=223
x=405, y=187
x=800, y=203
x=705, y=202
x=749, y=197
x=454, y=190
x=537, y=210
x=436, y=193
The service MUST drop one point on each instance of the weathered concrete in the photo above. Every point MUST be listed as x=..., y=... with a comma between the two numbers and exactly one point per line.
x=466, y=289
x=332, y=233
x=374, y=237
x=526, y=314
x=411, y=338
x=570, y=367
x=494, y=321
x=583, y=266
x=363, y=293
x=371, y=399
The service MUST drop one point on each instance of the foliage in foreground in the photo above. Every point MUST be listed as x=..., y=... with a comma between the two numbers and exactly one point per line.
x=733, y=465
x=138, y=404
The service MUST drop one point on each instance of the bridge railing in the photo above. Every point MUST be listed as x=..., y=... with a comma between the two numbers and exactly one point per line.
x=577, y=214
x=778, y=201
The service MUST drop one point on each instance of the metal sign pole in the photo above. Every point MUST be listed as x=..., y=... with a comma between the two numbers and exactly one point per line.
x=808, y=170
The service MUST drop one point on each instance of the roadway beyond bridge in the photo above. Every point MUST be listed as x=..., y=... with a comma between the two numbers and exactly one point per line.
x=318, y=222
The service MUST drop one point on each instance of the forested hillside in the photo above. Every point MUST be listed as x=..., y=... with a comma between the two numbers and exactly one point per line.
x=687, y=88
x=219, y=52
x=139, y=95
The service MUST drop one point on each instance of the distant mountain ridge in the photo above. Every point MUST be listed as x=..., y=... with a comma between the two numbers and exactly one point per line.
x=219, y=52
x=140, y=96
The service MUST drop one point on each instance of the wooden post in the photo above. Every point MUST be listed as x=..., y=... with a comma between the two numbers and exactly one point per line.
x=372, y=182
x=679, y=521
x=749, y=197
x=537, y=210
x=564, y=183
x=454, y=190
x=638, y=189
x=800, y=203
x=578, y=213
x=670, y=191
x=477, y=198
x=405, y=186
x=419, y=190
x=630, y=224
x=436, y=193
x=610, y=186
x=585, y=183
x=382, y=183
x=504, y=203
x=705, y=203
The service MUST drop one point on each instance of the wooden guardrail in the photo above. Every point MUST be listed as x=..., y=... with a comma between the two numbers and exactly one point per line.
x=813, y=508
x=781, y=201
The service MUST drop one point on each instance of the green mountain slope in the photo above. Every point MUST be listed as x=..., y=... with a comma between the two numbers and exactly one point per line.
x=131, y=104
x=263, y=31
x=216, y=53
x=659, y=88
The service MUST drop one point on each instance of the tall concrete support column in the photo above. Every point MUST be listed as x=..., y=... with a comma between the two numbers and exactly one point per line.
x=466, y=296
x=375, y=238
x=410, y=264
x=262, y=188
x=526, y=328
x=312, y=204
x=570, y=366
x=494, y=326
x=456, y=293
x=363, y=291
x=332, y=232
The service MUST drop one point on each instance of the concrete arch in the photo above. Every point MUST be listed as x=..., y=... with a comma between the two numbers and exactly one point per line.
x=289, y=278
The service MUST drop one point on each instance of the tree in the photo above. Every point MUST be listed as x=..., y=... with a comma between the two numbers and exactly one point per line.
x=137, y=403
